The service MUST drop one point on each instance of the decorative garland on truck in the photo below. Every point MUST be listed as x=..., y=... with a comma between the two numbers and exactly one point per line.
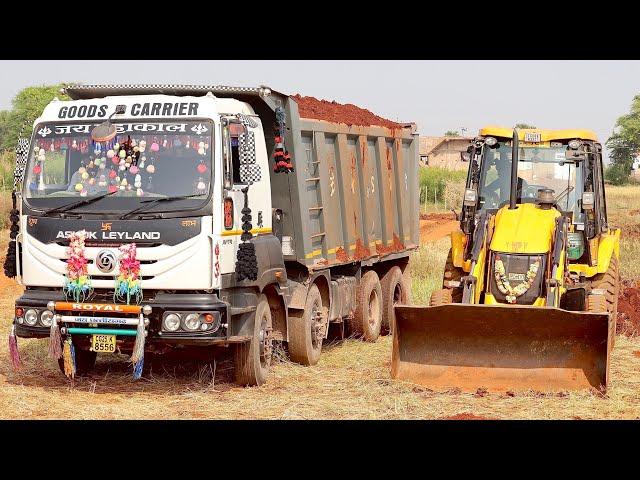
x=246, y=263
x=128, y=284
x=504, y=286
x=77, y=281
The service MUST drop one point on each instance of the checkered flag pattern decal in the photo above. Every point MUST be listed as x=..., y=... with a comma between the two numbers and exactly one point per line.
x=250, y=173
x=247, y=121
x=247, y=148
x=22, y=152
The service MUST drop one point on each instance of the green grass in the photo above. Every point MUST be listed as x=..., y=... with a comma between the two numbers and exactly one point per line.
x=433, y=181
x=427, y=266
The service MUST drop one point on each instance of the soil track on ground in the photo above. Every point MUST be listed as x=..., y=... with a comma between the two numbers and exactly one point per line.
x=436, y=225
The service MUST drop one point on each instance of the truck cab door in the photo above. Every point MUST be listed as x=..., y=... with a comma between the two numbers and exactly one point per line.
x=245, y=166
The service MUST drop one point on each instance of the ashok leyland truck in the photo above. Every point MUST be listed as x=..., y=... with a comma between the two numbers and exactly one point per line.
x=250, y=224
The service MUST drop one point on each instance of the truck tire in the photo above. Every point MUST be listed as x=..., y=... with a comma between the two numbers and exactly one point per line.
x=367, y=320
x=609, y=281
x=252, y=359
x=306, y=329
x=452, y=273
x=394, y=291
x=85, y=362
x=444, y=296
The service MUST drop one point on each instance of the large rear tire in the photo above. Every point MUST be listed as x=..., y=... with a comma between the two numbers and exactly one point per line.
x=394, y=291
x=367, y=320
x=252, y=359
x=306, y=329
x=609, y=282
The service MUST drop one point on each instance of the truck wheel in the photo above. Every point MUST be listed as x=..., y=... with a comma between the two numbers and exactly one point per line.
x=253, y=358
x=394, y=291
x=306, y=329
x=85, y=362
x=609, y=281
x=367, y=319
x=444, y=296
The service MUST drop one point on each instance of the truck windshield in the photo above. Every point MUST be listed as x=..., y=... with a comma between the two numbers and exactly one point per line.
x=145, y=160
x=538, y=167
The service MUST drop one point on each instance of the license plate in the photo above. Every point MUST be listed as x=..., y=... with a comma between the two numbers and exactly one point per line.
x=103, y=343
x=532, y=137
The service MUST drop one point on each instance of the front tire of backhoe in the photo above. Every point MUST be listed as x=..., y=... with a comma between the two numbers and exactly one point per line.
x=444, y=296
x=453, y=274
x=252, y=359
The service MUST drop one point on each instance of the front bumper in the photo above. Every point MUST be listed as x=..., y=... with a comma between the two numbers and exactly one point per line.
x=159, y=303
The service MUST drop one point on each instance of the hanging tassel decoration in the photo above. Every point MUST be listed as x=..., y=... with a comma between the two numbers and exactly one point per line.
x=55, y=341
x=14, y=354
x=246, y=261
x=137, y=356
x=281, y=155
x=69, y=355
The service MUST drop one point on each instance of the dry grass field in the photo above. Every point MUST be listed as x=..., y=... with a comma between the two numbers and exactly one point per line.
x=351, y=381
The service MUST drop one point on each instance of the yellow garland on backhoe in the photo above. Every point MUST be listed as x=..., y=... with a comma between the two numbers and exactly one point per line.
x=505, y=287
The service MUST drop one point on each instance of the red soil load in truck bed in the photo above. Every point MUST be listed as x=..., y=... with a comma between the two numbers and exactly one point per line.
x=311, y=107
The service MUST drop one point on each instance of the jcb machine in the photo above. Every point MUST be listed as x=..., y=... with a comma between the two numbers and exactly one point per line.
x=531, y=282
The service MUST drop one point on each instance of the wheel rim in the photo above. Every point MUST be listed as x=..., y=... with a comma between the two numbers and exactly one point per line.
x=265, y=342
x=316, y=325
x=374, y=308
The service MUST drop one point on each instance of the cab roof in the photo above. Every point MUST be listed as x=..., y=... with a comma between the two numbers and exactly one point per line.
x=545, y=135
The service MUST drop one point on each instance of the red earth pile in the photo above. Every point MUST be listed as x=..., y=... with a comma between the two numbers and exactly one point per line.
x=310, y=107
x=628, y=321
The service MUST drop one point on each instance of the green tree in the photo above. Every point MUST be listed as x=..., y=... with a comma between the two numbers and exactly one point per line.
x=451, y=133
x=27, y=106
x=524, y=125
x=624, y=144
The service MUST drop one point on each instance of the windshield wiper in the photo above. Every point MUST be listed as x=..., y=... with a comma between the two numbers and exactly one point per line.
x=150, y=203
x=73, y=205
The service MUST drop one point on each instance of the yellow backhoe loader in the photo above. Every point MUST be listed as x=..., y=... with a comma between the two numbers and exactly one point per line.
x=530, y=286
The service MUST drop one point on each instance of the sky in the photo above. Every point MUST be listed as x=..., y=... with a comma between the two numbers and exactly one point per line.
x=437, y=95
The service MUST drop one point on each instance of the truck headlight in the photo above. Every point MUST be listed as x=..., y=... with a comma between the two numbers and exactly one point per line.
x=192, y=322
x=171, y=322
x=46, y=318
x=31, y=317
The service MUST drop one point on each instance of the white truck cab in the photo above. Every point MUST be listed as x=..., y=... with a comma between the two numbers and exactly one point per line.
x=189, y=177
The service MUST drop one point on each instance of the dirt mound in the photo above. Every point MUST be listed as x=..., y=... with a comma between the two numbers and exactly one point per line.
x=437, y=216
x=310, y=107
x=628, y=321
x=466, y=416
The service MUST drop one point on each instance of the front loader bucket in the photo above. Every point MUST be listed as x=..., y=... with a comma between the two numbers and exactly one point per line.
x=501, y=348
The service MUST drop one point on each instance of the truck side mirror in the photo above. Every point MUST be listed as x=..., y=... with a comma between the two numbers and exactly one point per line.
x=465, y=156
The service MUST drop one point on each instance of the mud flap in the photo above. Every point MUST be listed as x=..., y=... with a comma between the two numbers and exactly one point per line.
x=501, y=348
